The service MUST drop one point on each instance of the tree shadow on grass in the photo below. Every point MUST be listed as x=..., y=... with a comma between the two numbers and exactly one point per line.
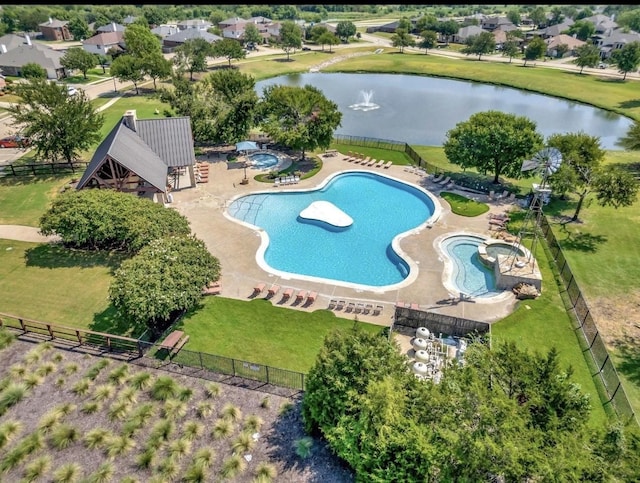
x=13, y=181
x=629, y=104
x=582, y=242
x=110, y=322
x=57, y=256
x=628, y=349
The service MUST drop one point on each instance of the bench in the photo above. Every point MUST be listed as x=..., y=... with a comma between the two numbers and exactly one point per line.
x=179, y=345
x=171, y=340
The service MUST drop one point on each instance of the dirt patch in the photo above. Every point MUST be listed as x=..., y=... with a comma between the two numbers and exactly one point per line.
x=618, y=318
x=273, y=442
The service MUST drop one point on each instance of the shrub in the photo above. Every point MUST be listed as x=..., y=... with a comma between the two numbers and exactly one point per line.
x=221, y=429
x=174, y=409
x=233, y=466
x=265, y=473
x=119, y=375
x=63, y=435
x=303, y=447
x=164, y=388
x=12, y=395
x=231, y=413
x=253, y=423
x=36, y=468
x=8, y=431
x=179, y=448
x=81, y=388
x=192, y=430
x=212, y=390
x=243, y=443
x=204, y=409
x=103, y=474
x=67, y=473
x=141, y=380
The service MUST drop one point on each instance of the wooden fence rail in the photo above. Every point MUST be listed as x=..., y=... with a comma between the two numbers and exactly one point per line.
x=35, y=169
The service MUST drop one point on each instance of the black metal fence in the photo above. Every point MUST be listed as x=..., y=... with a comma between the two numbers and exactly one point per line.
x=590, y=339
x=35, y=169
x=135, y=350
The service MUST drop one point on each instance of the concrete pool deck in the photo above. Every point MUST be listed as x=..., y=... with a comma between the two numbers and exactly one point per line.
x=236, y=246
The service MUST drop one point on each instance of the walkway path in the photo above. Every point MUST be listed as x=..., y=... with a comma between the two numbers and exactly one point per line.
x=25, y=233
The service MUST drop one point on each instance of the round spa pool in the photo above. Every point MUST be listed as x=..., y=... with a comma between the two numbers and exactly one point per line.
x=264, y=160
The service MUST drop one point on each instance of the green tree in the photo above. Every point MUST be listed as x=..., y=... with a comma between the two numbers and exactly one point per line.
x=140, y=42
x=513, y=14
x=316, y=32
x=156, y=67
x=484, y=43
x=79, y=28
x=345, y=30
x=561, y=49
x=252, y=35
x=583, y=30
x=426, y=22
x=31, y=70
x=510, y=48
x=538, y=16
x=534, y=50
x=76, y=58
x=192, y=55
x=104, y=219
x=299, y=117
x=629, y=19
x=290, y=36
x=587, y=55
x=59, y=125
x=494, y=142
x=557, y=17
x=582, y=173
x=401, y=39
x=165, y=278
x=447, y=28
x=428, y=40
x=327, y=38
x=627, y=58
x=127, y=68
x=229, y=49
x=631, y=140
x=103, y=61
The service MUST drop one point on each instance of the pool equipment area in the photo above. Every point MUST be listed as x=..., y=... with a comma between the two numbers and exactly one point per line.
x=431, y=354
x=346, y=231
x=481, y=267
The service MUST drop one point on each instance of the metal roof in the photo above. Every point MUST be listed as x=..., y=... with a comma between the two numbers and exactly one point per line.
x=127, y=148
x=36, y=53
x=187, y=34
x=170, y=137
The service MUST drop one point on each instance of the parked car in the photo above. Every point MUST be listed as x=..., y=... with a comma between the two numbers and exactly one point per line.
x=72, y=91
x=306, y=48
x=14, y=142
x=602, y=65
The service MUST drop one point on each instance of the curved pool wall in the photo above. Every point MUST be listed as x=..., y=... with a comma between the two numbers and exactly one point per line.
x=405, y=265
x=453, y=276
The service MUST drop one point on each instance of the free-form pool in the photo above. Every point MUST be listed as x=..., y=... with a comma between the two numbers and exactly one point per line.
x=467, y=274
x=364, y=253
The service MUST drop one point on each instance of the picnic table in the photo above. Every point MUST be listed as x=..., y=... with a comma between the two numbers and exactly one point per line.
x=171, y=340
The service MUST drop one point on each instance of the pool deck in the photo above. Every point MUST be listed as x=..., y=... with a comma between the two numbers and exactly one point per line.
x=235, y=246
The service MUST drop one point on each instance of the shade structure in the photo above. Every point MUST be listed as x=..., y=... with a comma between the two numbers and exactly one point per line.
x=246, y=146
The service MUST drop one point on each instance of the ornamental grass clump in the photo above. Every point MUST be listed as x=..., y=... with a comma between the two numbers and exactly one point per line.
x=179, y=448
x=233, y=466
x=265, y=473
x=24, y=448
x=141, y=380
x=82, y=387
x=12, y=395
x=97, y=438
x=221, y=429
x=192, y=430
x=8, y=431
x=103, y=474
x=204, y=409
x=67, y=473
x=95, y=369
x=243, y=443
x=36, y=468
x=119, y=375
x=63, y=435
x=231, y=413
x=164, y=388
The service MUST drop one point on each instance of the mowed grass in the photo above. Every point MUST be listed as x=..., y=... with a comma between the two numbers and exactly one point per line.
x=257, y=331
x=52, y=284
x=25, y=199
x=463, y=206
x=542, y=323
x=398, y=157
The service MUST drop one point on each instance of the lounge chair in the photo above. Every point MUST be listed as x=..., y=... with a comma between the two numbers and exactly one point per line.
x=388, y=164
x=311, y=297
x=258, y=289
x=350, y=307
x=372, y=162
x=301, y=295
x=365, y=161
x=286, y=295
x=340, y=305
x=504, y=194
x=492, y=195
x=437, y=178
x=400, y=304
x=445, y=181
x=378, y=310
x=379, y=164
x=512, y=197
x=415, y=306
x=296, y=179
x=274, y=289
x=332, y=304
x=359, y=308
x=276, y=182
x=367, y=308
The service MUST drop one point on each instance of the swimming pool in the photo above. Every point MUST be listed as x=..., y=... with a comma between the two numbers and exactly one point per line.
x=466, y=273
x=264, y=160
x=362, y=254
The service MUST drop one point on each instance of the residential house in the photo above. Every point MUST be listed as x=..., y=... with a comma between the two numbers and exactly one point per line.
x=3, y=82
x=141, y=155
x=230, y=21
x=164, y=30
x=55, y=29
x=101, y=43
x=568, y=40
x=170, y=42
x=551, y=31
x=10, y=41
x=195, y=24
x=465, y=32
x=602, y=23
x=273, y=30
x=389, y=28
x=12, y=61
x=259, y=20
x=111, y=27
x=616, y=40
x=128, y=20
x=236, y=31
x=492, y=23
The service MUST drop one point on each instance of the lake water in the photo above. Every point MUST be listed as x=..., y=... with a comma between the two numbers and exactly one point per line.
x=420, y=110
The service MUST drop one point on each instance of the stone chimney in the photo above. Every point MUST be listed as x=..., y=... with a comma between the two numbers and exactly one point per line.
x=130, y=119
x=27, y=39
x=113, y=25
x=50, y=20
x=3, y=48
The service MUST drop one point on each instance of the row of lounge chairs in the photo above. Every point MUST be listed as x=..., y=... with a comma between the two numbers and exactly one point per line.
x=355, y=307
x=357, y=158
x=505, y=195
x=411, y=305
x=302, y=296
x=202, y=172
x=283, y=180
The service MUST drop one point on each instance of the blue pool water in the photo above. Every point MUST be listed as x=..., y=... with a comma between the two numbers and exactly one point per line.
x=264, y=160
x=470, y=276
x=381, y=208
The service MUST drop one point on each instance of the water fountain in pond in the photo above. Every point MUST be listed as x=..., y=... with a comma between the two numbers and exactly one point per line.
x=366, y=104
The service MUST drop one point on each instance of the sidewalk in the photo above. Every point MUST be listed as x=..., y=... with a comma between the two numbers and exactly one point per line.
x=25, y=233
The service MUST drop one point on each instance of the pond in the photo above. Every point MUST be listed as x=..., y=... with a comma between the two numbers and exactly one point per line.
x=420, y=110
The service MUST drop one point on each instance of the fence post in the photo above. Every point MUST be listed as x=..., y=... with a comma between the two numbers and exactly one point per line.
x=233, y=366
x=140, y=352
x=604, y=363
x=266, y=370
x=50, y=331
x=200, y=356
x=79, y=336
x=22, y=325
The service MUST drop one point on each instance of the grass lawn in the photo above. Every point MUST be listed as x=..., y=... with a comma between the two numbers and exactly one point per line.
x=25, y=199
x=543, y=323
x=257, y=331
x=398, y=157
x=463, y=206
